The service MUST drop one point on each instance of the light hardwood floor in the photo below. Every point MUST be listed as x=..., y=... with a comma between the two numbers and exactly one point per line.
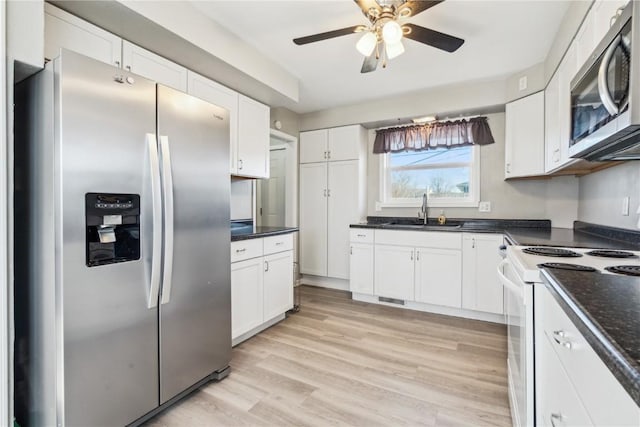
x=343, y=362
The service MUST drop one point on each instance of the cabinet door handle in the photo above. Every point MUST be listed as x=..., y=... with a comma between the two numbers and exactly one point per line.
x=557, y=335
x=117, y=64
x=325, y=155
x=279, y=243
x=417, y=255
x=473, y=243
x=329, y=154
x=329, y=192
x=554, y=418
x=266, y=266
x=240, y=164
x=508, y=167
x=361, y=235
x=128, y=67
x=238, y=251
x=351, y=250
x=411, y=255
x=325, y=192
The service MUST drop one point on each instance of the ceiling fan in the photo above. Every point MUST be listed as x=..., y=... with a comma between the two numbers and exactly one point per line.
x=382, y=38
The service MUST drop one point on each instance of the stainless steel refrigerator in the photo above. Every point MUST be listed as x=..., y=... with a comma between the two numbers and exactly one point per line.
x=122, y=291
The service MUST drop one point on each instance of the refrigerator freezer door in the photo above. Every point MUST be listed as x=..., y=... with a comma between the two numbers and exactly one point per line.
x=108, y=369
x=195, y=314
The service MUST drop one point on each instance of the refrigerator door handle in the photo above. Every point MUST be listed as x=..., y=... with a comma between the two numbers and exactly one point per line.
x=167, y=183
x=154, y=286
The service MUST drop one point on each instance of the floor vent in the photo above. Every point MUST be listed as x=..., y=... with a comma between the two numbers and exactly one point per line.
x=391, y=300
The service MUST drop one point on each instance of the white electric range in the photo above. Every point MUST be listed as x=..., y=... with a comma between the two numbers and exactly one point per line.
x=519, y=272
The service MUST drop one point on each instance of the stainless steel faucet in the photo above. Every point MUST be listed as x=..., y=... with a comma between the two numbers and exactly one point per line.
x=425, y=208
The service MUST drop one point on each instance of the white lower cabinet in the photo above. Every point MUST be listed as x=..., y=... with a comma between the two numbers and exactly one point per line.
x=573, y=385
x=438, y=277
x=394, y=272
x=481, y=289
x=262, y=285
x=361, y=268
x=246, y=296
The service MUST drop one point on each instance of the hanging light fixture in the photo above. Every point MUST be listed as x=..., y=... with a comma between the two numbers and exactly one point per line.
x=367, y=43
x=391, y=32
x=394, y=49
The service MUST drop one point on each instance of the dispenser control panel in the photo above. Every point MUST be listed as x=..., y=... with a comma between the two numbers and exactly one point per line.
x=112, y=228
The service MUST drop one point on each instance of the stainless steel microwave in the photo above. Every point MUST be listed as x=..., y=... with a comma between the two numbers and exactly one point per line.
x=605, y=95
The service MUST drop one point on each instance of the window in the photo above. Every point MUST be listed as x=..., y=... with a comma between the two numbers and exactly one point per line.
x=450, y=177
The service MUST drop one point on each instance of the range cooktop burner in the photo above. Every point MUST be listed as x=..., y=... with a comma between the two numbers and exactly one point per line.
x=547, y=251
x=629, y=270
x=612, y=254
x=564, y=266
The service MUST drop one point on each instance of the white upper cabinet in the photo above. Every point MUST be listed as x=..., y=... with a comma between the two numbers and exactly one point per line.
x=63, y=30
x=341, y=143
x=566, y=72
x=552, y=123
x=253, y=138
x=603, y=13
x=148, y=64
x=222, y=96
x=524, y=134
x=586, y=38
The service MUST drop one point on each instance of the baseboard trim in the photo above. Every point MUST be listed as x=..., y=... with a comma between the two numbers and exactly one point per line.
x=430, y=308
x=325, y=282
x=237, y=340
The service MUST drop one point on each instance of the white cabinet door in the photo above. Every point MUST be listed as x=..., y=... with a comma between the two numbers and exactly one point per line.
x=585, y=38
x=438, y=278
x=246, y=295
x=552, y=123
x=342, y=192
x=313, y=219
x=481, y=289
x=524, y=147
x=557, y=403
x=344, y=142
x=154, y=67
x=361, y=268
x=63, y=30
x=394, y=272
x=253, y=138
x=567, y=71
x=603, y=13
x=313, y=146
x=278, y=284
x=222, y=96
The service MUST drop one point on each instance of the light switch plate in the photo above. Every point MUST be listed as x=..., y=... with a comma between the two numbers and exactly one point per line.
x=484, y=207
x=625, y=206
x=522, y=83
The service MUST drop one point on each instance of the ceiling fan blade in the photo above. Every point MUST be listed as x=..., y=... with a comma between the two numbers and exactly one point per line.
x=367, y=5
x=415, y=7
x=433, y=38
x=329, y=35
x=370, y=62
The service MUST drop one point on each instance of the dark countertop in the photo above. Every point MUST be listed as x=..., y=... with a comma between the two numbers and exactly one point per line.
x=606, y=310
x=523, y=232
x=260, y=231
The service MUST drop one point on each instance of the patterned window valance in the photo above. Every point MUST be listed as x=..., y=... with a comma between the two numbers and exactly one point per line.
x=474, y=131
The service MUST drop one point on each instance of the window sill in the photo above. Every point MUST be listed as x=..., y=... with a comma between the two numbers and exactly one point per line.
x=432, y=204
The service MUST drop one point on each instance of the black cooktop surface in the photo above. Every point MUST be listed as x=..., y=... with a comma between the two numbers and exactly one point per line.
x=549, y=251
x=565, y=266
x=627, y=270
x=605, y=253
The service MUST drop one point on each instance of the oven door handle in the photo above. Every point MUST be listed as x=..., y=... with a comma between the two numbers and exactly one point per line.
x=518, y=290
x=603, y=84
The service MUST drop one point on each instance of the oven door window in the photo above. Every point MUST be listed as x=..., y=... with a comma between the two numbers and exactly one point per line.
x=603, y=93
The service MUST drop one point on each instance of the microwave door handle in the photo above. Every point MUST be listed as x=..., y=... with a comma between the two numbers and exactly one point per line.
x=603, y=84
x=167, y=184
x=156, y=232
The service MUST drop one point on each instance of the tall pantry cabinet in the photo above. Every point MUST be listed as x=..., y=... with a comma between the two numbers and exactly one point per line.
x=332, y=195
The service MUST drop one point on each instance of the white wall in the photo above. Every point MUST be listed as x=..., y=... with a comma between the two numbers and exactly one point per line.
x=601, y=195
x=555, y=199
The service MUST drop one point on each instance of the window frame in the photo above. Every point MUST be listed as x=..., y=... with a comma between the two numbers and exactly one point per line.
x=385, y=200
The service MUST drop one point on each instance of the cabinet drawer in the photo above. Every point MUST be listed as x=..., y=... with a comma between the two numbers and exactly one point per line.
x=361, y=235
x=606, y=400
x=425, y=239
x=273, y=244
x=245, y=249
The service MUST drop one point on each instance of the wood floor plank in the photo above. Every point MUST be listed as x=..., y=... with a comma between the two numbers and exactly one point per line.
x=349, y=363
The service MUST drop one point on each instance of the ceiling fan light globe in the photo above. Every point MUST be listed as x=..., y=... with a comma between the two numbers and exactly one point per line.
x=394, y=49
x=391, y=32
x=367, y=43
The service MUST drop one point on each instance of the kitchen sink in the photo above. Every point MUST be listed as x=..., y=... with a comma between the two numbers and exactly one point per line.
x=430, y=227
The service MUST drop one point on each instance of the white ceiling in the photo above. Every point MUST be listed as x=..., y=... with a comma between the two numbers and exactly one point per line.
x=501, y=38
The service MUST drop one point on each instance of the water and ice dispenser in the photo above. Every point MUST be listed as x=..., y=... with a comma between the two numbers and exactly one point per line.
x=113, y=228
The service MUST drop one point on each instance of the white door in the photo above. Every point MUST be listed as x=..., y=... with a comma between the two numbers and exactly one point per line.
x=394, y=272
x=361, y=268
x=313, y=219
x=481, y=288
x=222, y=96
x=63, y=30
x=343, y=194
x=439, y=277
x=278, y=284
x=246, y=296
x=344, y=143
x=253, y=138
x=272, y=190
x=154, y=67
x=313, y=146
